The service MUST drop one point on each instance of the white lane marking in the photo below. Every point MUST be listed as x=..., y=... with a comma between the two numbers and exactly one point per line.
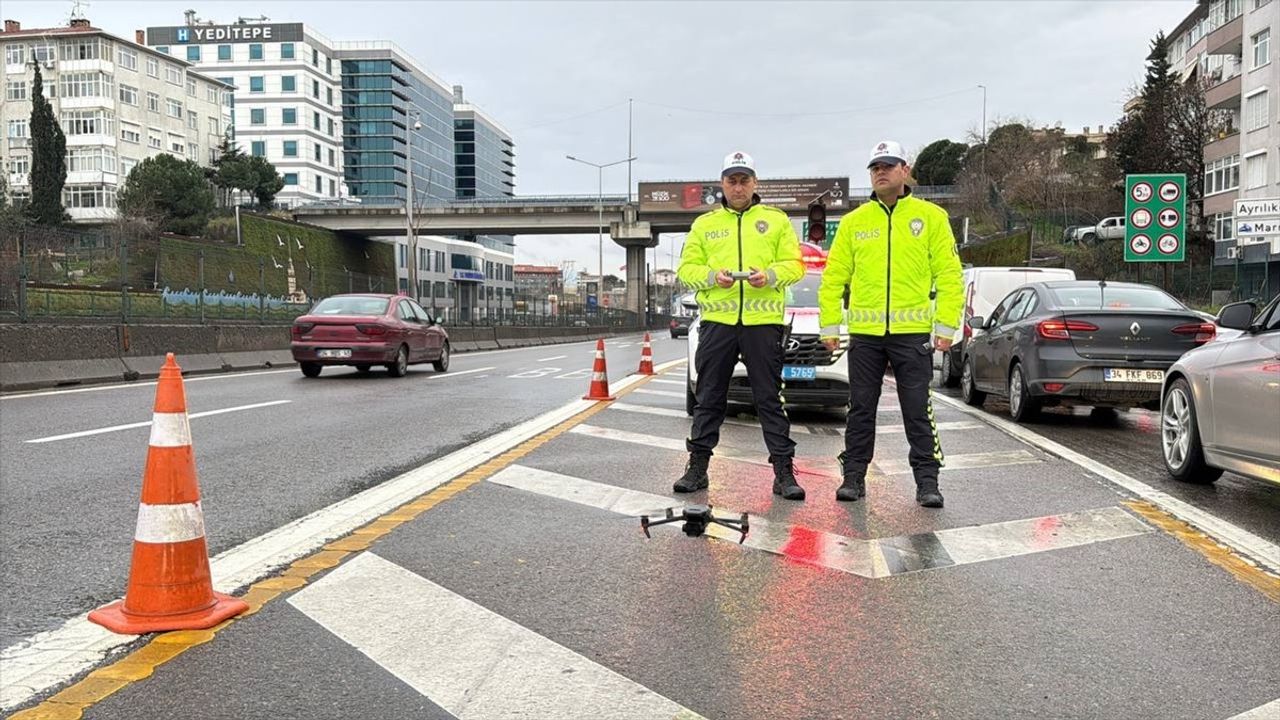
x=958, y=425
x=668, y=382
x=534, y=373
x=663, y=393
x=835, y=430
x=557, y=357
x=648, y=410
x=1237, y=537
x=969, y=461
x=170, y=430
x=451, y=373
x=39, y=662
x=130, y=426
x=1270, y=711
x=875, y=558
x=574, y=374
x=169, y=523
x=467, y=659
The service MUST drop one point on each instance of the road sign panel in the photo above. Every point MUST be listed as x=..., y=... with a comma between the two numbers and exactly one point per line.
x=1158, y=200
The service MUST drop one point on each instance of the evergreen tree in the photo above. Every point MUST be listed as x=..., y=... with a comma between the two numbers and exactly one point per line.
x=48, y=158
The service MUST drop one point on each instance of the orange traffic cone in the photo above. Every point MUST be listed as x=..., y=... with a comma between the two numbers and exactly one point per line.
x=646, y=357
x=599, y=377
x=169, y=583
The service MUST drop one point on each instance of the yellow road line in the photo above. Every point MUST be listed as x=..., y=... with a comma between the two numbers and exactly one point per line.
x=1213, y=551
x=71, y=702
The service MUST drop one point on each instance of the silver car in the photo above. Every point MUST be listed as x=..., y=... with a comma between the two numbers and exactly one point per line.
x=1220, y=404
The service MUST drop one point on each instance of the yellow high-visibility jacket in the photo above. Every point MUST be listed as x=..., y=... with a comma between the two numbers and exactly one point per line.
x=891, y=258
x=760, y=237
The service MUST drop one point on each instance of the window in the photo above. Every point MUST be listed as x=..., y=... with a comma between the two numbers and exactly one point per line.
x=224, y=53
x=315, y=120
x=319, y=185
x=291, y=178
x=328, y=65
x=315, y=89
x=291, y=148
x=193, y=151
x=257, y=116
x=163, y=48
x=193, y=120
x=315, y=57
x=20, y=165
x=18, y=128
x=289, y=116
x=128, y=94
x=1261, y=44
x=333, y=189
x=193, y=53
x=153, y=67
x=130, y=133
x=88, y=122
x=126, y=166
x=331, y=158
x=1222, y=175
x=153, y=102
x=127, y=59
x=173, y=75
x=1255, y=111
x=154, y=139
x=177, y=146
x=258, y=148
x=173, y=108
x=328, y=93
x=330, y=127
x=403, y=254
x=211, y=94
x=191, y=88
x=256, y=84
x=286, y=51
x=318, y=149
x=91, y=159
x=17, y=90
x=1259, y=3
x=1255, y=171
x=255, y=51
x=15, y=55
x=214, y=128
x=288, y=83
x=88, y=49
x=89, y=196
x=84, y=84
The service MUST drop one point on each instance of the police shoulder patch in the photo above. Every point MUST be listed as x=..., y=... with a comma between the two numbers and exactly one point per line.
x=917, y=227
x=762, y=227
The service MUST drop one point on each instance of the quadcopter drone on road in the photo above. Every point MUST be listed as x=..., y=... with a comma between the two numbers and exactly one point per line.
x=696, y=518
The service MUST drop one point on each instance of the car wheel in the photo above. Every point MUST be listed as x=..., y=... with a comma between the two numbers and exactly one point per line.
x=968, y=392
x=949, y=376
x=1022, y=407
x=442, y=365
x=1180, y=437
x=363, y=368
x=690, y=400
x=674, y=335
x=1088, y=238
x=310, y=369
x=401, y=365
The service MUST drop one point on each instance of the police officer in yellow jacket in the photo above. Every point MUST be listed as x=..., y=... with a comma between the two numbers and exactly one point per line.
x=891, y=253
x=740, y=257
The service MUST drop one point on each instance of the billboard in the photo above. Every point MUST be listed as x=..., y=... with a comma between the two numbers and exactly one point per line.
x=238, y=33
x=789, y=195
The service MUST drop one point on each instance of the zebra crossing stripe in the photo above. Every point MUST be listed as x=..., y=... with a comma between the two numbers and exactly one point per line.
x=471, y=661
x=877, y=558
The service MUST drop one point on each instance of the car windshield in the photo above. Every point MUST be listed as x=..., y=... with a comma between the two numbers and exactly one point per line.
x=351, y=305
x=804, y=294
x=1111, y=297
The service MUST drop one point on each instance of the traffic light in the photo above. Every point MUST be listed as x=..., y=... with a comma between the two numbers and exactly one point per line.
x=817, y=223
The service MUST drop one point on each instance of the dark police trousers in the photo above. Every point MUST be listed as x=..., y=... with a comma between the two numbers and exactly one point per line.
x=911, y=356
x=760, y=346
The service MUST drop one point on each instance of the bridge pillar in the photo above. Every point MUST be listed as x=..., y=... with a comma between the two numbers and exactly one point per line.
x=636, y=237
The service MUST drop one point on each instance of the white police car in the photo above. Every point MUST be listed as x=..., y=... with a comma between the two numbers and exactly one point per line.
x=811, y=374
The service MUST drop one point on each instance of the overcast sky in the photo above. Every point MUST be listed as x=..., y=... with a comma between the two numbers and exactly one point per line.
x=807, y=88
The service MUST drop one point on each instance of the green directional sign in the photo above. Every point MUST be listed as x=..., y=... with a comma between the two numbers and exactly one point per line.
x=831, y=233
x=1155, y=212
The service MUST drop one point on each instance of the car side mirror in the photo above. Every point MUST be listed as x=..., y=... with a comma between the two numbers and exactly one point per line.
x=977, y=322
x=1237, y=316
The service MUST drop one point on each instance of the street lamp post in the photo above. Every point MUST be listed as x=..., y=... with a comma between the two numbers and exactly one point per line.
x=600, y=217
x=984, y=131
x=408, y=208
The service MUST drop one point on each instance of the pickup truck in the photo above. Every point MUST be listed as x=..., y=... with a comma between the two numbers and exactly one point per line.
x=1111, y=228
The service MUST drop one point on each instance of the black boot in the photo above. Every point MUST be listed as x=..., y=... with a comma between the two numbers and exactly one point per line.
x=695, y=474
x=784, y=480
x=854, y=486
x=927, y=493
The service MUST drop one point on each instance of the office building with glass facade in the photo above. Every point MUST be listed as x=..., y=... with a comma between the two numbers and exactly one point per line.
x=287, y=102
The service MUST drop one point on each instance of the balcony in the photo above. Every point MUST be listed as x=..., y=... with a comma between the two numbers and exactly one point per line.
x=1225, y=95
x=1226, y=143
x=1227, y=39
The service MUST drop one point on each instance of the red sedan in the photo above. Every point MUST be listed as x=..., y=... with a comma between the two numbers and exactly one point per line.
x=368, y=330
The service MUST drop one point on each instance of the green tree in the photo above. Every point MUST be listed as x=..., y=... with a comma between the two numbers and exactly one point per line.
x=173, y=192
x=48, y=158
x=940, y=162
x=1141, y=141
x=267, y=182
x=254, y=175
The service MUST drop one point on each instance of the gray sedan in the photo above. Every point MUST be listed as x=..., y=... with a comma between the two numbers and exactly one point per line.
x=1220, y=408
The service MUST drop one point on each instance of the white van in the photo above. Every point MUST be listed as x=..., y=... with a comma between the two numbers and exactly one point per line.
x=984, y=287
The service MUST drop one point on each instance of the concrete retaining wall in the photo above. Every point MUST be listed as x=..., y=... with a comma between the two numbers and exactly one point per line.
x=46, y=355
